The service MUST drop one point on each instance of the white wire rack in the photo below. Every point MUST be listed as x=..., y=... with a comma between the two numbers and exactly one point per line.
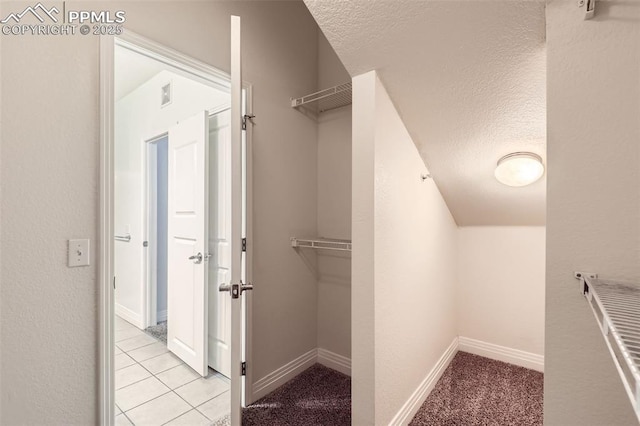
x=321, y=243
x=616, y=306
x=325, y=100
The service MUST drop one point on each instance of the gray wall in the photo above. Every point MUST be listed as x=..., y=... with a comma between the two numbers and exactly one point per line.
x=334, y=209
x=49, y=179
x=593, y=200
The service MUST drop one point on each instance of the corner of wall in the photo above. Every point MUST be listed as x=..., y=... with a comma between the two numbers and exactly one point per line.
x=362, y=264
x=413, y=252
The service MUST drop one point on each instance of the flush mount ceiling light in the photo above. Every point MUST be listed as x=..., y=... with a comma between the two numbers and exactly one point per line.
x=519, y=169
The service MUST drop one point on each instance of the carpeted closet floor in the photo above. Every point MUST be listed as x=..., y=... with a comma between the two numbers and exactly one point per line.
x=479, y=391
x=472, y=391
x=318, y=396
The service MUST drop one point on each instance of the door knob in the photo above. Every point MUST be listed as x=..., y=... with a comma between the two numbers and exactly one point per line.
x=245, y=287
x=196, y=258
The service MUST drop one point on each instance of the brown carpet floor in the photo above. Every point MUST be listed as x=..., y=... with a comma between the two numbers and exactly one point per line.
x=478, y=391
x=318, y=396
x=472, y=391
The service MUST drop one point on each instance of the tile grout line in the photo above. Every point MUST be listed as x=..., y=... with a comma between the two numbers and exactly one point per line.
x=192, y=407
x=129, y=338
x=170, y=390
x=184, y=384
x=131, y=384
x=137, y=381
x=134, y=349
x=146, y=359
x=190, y=404
x=160, y=372
x=171, y=368
x=140, y=405
x=196, y=408
x=199, y=405
x=127, y=417
x=173, y=390
x=139, y=333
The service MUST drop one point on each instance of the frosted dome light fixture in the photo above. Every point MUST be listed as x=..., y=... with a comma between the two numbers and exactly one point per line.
x=519, y=169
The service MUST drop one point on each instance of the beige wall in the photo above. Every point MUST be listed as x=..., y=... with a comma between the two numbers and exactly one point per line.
x=49, y=322
x=363, y=385
x=501, y=286
x=593, y=200
x=404, y=280
x=49, y=178
x=334, y=210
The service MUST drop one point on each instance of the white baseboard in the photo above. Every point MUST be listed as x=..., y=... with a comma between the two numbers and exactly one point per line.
x=417, y=398
x=334, y=361
x=282, y=375
x=501, y=353
x=161, y=316
x=129, y=316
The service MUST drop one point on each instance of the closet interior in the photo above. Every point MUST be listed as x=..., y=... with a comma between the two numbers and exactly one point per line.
x=327, y=254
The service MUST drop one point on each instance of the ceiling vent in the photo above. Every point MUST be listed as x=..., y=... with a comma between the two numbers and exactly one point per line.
x=165, y=96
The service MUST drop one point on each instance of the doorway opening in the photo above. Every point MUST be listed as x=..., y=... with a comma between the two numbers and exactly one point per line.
x=157, y=152
x=174, y=207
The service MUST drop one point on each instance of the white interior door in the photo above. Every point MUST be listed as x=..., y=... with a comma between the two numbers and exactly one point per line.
x=187, y=237
x=220, y=241
x=236, y=220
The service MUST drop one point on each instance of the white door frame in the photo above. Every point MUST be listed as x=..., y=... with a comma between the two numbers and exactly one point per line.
x=209, y=75
x=149, y=225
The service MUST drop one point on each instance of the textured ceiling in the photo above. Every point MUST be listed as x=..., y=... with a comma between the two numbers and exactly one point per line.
x=468, y=79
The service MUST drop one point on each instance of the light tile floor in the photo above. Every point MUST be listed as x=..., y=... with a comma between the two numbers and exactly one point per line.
x=154, y=387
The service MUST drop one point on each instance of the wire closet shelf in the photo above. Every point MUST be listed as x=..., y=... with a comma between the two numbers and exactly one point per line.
x=616, y=306
x=325, y=100
x=321, y=243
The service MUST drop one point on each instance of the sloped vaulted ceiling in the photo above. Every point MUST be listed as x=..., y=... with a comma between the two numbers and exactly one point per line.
x=468, y=79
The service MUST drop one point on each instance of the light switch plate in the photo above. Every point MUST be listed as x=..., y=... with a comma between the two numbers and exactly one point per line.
x=78, y=253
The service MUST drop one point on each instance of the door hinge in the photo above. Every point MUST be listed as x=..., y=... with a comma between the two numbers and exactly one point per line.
x=245, y=118
x=243, y=368
x=244, y=244
x=114, y=282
